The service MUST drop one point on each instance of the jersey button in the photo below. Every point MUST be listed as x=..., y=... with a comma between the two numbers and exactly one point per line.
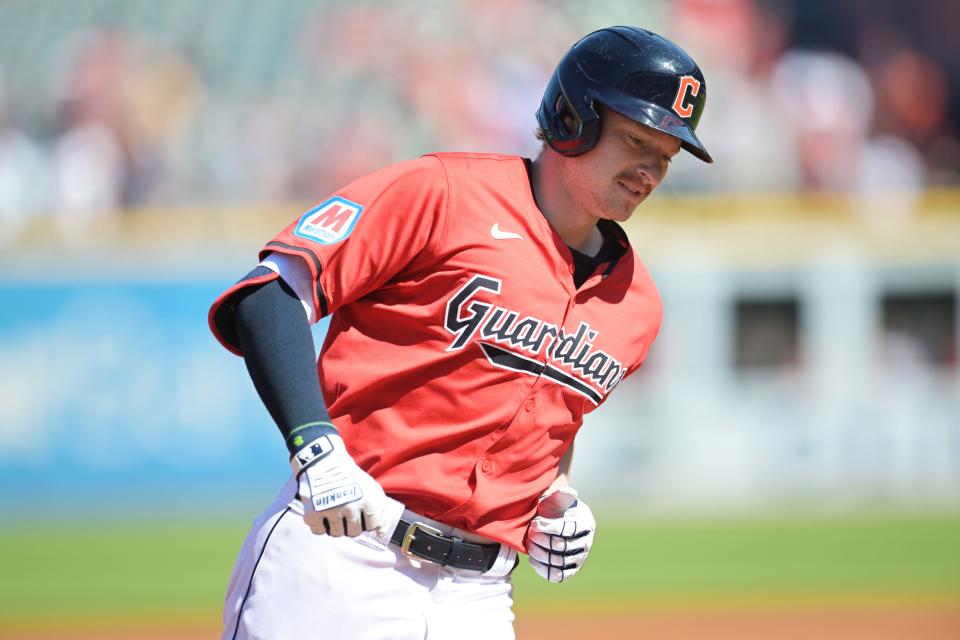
x=572, y=270
x=531, y=403
x=486, y=466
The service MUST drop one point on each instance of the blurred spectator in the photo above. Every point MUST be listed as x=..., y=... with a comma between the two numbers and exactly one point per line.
x=88, y=168
x=739, y=42
x=826, y=98
x=913, y=93
x=22, y=176
x=890, y=181
x=290, y=101
x=126, y=104
x=912, y=56
x=163, y=94
x=89, y=163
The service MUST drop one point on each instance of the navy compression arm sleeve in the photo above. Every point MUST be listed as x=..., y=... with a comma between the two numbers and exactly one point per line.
x=278, y=349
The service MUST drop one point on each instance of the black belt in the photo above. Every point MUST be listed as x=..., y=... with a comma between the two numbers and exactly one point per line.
x=418, y=540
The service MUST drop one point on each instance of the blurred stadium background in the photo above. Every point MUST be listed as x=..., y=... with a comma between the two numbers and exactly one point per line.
x=786, y=465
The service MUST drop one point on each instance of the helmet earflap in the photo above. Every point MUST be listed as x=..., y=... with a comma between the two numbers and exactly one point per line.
x=554, y=109
x=631, y=71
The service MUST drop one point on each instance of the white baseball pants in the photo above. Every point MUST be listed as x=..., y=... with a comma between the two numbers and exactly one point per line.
x=289, y=583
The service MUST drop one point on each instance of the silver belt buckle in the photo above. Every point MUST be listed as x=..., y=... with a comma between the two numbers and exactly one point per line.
x=411, y=534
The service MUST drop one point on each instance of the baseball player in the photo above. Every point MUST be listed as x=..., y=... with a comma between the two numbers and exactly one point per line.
x=479, y=306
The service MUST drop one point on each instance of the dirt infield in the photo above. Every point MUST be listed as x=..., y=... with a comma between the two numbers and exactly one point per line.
x=916, y=622
x=864, y=624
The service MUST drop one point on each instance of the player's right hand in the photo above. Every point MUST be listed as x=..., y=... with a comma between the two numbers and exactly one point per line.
x=339, y=498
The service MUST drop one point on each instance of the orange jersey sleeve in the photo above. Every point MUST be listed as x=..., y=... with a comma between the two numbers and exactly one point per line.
x=368, y=231
x=357, y=239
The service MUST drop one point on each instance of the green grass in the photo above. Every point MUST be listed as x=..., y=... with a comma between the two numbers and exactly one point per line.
x=61, y=572
x=762, y=559
x=89, y=571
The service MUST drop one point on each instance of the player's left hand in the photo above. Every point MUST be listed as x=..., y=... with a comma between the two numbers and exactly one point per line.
x=560, y=536
x=339, y=498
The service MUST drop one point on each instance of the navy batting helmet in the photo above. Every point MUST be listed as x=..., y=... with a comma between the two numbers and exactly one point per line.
x=634, y=72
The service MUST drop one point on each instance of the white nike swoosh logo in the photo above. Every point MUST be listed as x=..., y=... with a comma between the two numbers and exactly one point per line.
x=498, y=234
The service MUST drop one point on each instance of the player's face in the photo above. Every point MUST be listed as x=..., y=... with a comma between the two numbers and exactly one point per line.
x=627, y=164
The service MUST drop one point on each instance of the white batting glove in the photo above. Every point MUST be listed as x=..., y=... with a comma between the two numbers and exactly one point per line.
x=339, y=498
x=560, y=536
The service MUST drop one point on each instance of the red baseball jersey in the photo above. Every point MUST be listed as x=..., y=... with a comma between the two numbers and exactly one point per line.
x=460, y=358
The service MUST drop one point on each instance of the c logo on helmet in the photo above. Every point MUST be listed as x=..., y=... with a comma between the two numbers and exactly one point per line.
x=686, y=82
